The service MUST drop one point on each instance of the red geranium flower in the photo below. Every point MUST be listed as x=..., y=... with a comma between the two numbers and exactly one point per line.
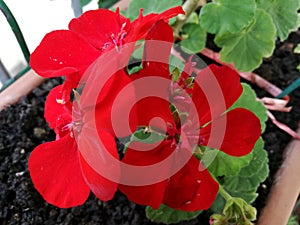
x=189, y=189
x=58, y=170
x=69, y=52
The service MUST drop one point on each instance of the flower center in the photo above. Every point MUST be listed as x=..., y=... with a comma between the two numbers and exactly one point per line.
x=77, y=122
x=115, y=40
x=186, y=135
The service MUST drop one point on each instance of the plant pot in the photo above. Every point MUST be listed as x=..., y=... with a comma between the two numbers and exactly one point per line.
x=285, y=189
x=19, y=88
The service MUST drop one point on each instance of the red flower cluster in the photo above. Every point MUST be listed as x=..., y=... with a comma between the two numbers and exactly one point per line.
x=187, y=116
x=70, y=52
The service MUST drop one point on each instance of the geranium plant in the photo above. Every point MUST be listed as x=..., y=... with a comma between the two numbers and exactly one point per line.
x=192, y=131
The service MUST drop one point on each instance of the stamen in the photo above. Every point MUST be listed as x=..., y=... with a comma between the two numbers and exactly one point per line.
x=116, y=40
x=60, y=101
x=67, y=127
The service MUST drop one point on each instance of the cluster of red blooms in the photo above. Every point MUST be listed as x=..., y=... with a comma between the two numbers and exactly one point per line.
x=58, y=169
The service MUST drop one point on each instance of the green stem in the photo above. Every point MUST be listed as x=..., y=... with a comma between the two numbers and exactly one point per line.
x=290, y=88
x=12, y=80
x=16, y=29
x=224, y=193
x=189, y=6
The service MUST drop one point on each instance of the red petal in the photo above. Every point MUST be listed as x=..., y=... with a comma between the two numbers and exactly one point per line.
x=170, y=13
x=152, y=88
x=159, y=41
x=155, y=112
x=96, y=26
x=53, y=109
x=220, y=88
x=191, y=189
x=100, y=160
x=142, y=24
x=141, y=154
x=117, y=116
x=61, y=53
x=158, y=45
x=150, y=195
x=242, y=131
x=55, y=172
x=103, y=188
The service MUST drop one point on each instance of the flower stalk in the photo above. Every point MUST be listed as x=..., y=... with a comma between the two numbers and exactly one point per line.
x=224, y=193
x=189, y=6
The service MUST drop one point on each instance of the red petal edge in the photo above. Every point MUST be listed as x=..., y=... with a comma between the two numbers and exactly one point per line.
x=55, y=172
x=193, y=187
x=62, y=53
x=102, y=187
x=219, y=84
x=242, y=131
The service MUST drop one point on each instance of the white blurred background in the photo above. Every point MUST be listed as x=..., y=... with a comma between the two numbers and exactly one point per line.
x=35, y=18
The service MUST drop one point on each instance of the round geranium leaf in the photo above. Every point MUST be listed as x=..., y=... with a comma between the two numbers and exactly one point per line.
x=250, y=176
x=284, y=15
x=223, y=164
x=194, y=38
x=167, y=215
x=247, y=48
x=222, y=16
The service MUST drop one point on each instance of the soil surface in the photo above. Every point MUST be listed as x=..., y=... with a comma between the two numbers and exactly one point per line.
x=23, y=127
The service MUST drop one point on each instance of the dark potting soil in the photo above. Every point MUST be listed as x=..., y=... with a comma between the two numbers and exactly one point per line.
x=23, y=127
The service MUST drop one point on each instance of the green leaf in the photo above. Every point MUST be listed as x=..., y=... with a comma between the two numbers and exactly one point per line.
x=167, y=215
x=297, y=49
x=248, y=196
x=135, y=69
x=223, y=16
x=152, y=6
x=195, y=38
x=106, y=4
x=175, y=74
x=246, y=182
x=193, y=18
x=139, y=51
x=84, y=2
x=136, y=58
x=283, y=13
x=248, y=100
x=223, y=164
x=218, y=204
x=175, y=62
x=292, y=220
x=247, y=48
x=146, y=137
